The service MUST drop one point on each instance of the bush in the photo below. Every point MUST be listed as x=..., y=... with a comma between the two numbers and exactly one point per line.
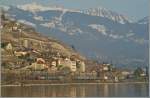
x=65, y=70
x=138, y=72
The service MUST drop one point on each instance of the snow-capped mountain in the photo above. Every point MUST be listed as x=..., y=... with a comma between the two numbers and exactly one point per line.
x=102, y=12
x=35, y=7
x=100, y=34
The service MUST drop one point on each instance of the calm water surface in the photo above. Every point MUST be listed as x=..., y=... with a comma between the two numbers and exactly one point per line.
x=82, y=90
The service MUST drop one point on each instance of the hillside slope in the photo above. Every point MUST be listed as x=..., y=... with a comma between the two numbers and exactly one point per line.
x=21, y=38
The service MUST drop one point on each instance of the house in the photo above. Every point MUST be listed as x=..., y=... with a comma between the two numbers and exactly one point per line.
x=105, y=67
x=125, y=73
x=116, y=79
x=73, y=66
x=20, y=53
x=38, y=66
x=67, y=63
x=1, y=26
x=81, y=66
x=105, y=77
x=40, y=60
x=142, y=74
x=101, y=68
x=14, y=28
x=54, y=63
x=8, y=46
x=20, y=30
x=25, y=43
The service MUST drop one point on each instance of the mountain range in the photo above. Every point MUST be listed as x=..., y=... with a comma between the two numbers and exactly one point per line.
x=97, y=33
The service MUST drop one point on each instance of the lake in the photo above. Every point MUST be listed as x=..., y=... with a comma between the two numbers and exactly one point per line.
x=78, y=90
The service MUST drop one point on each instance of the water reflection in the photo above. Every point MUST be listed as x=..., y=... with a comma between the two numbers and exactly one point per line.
x=73, y=91
x=106, y=90
x=82, y=92
x=94, y=90
x=116, y=89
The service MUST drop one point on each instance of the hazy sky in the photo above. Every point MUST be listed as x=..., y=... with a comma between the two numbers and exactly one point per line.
x=135, y=9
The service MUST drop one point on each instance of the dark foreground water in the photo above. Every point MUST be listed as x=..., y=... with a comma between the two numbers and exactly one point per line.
x=82, y=90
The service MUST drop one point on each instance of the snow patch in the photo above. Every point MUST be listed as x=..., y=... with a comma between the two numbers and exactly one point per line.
x=49, y=25
x=35, y=7
x=116, y=36
x=27, y=23
x=99, y=28
x=129, y=34
x=39, y=18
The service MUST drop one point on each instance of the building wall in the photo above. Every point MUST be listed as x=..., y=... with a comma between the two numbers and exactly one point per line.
x=68, y=63
x=9, y=46
x=82, y=67
x=37, y=66
x=25, y=44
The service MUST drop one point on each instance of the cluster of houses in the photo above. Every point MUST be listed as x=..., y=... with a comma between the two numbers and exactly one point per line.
x=56, y=63
x=107, y=72
x=53, y=64
x=67, y=62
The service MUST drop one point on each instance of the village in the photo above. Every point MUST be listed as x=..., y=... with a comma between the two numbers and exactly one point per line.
x=27, y=58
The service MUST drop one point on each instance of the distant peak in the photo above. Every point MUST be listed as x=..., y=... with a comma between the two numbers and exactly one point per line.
x=103, y=12
x=35, y=7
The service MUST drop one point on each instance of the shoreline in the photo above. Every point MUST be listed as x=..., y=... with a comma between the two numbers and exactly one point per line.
x=13, y=85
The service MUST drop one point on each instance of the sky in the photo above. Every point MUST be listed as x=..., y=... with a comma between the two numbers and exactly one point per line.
x=134, y=9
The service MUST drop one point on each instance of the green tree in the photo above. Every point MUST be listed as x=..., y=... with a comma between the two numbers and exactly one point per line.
x=147, y=71
x=138, y=72
x=73, y=47
x=59, y=67
x=3, y=17
x=65, y=70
